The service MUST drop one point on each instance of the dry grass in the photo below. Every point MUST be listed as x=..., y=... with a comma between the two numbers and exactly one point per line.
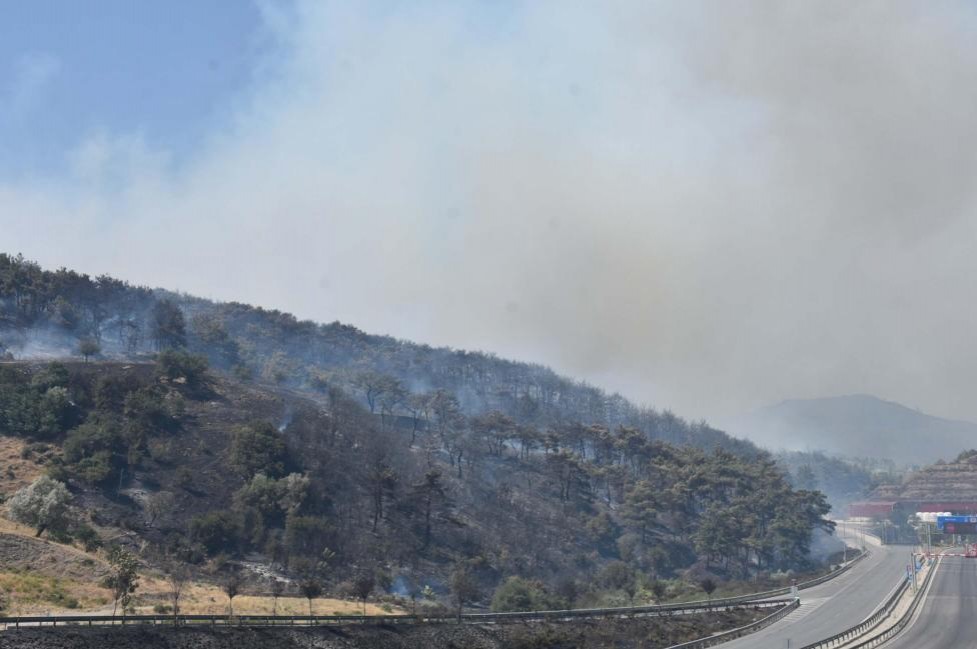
x=207, y=599
x=15, y=471
x=28, y=593
x=8, y=526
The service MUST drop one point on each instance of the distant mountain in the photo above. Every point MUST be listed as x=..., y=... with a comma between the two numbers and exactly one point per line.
x=858, y=425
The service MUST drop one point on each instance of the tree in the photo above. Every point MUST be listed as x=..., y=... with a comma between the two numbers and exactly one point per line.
x=311, y=587
x=518, y=594
x=180, y=367
x=379, y=389
x=430, y=493
x=258, y=448
x=273, y=499
x=464, y=588
x=658, y=590
x=805, y=478
x=363, y=584
x=393, y=396
x=418, y=405
x=307, y=536
x=217, y=531
x=495, y=429
x=88, y=347
x=123, y=578
x=414, y=590
x=311, y=571
x=95, y=451
x=157, y=505
x=448, y=419
x=177, y=574
x=618, y=575
x=43, y=505
x=708, y=586
x=641, y=508
x=277, y=587
x=231, y=587
x=168, y=326
x=383, y=481
x=54, y=412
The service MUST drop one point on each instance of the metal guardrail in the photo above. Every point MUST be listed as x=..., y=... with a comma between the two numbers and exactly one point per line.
x=903, y=621
x=732, y=634
x=866, y=625
x=770, y=619
x=766, y=599
x=817, y=581
x=873, y=621
x=325, y=620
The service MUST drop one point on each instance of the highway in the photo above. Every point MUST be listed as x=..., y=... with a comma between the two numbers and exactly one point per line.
x=948, y=615
x=835, y=605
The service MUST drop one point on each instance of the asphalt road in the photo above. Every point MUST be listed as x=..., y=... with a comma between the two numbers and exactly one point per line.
x=948, y=616
x=837, y=604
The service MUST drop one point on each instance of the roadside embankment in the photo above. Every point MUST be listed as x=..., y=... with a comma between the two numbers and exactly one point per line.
x=630, y=633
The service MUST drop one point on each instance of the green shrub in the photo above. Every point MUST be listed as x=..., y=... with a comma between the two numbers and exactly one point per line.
x=307, y=536
x=53, y=375
x=88, y=537
x=183, y=368
x=518, y=594
x=94, y=450
x=258, y=448
x=218, y=531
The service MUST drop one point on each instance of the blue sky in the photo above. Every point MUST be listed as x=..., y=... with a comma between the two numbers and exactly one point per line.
x=162, y=70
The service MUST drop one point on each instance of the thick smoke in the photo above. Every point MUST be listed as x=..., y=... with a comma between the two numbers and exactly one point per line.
x=710, y=206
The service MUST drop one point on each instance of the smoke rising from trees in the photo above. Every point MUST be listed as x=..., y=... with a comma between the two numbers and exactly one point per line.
x=707, y=206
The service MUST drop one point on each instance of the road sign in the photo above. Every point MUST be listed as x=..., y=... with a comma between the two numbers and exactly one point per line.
x=957, y=524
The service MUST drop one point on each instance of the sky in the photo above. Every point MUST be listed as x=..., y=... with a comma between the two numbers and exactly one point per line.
x=708, y=206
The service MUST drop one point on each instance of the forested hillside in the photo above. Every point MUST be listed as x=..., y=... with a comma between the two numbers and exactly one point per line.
x=226, y=432
x=63, y=312
x=843, y=480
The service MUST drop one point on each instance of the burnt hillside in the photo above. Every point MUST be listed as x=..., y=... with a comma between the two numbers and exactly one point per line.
x=184, y=463
x=45, y=313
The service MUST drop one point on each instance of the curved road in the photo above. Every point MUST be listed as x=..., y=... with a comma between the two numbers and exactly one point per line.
x=837, y=604
x=948, y=616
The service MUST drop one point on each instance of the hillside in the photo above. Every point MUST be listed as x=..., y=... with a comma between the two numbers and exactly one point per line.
x=182, y=464
x=227, y=437
x=859, y=426
x=46, y=314
x=954, y=480
x=841, y=480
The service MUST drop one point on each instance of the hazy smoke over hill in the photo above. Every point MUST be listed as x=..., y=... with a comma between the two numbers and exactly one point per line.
x=709, y=206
